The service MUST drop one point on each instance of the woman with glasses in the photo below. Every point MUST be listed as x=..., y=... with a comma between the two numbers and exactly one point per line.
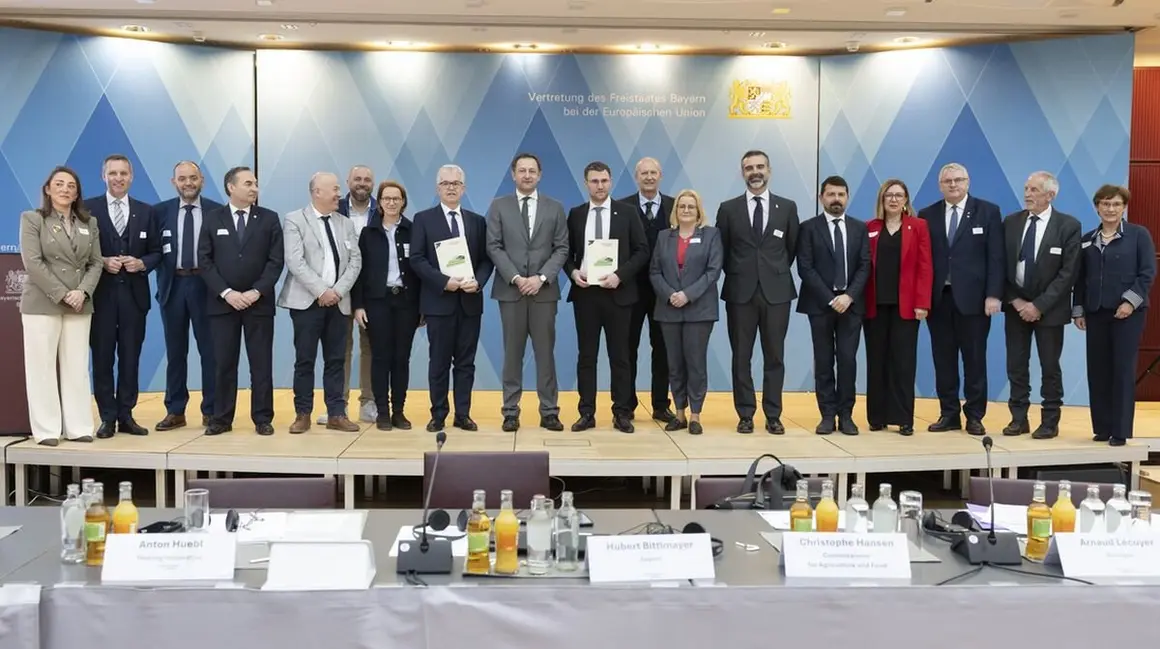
x=897, y=298
x=1116, y=270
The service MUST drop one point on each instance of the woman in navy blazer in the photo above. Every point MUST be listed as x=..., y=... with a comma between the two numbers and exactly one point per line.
x=686, y=264
x=1110, y=302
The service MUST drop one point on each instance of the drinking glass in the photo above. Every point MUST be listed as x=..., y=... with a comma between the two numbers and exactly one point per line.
x=1141, y=503
x=197, y=510
x=910, y=515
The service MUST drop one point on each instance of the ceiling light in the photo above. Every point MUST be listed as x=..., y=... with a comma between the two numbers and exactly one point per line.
x=136, y=29
x=146, y=2
x=774, y=45
x=896, y=12
x=265, y=3
x=525, y=46
x=780, y=11
x=648, y=47
x=271, y=37
x=289, y=27
x=907, y=40
x=757, y=34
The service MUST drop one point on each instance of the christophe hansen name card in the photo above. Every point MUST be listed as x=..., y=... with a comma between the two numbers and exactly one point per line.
x=846, y=556
x=145, y=558
x=650, y=557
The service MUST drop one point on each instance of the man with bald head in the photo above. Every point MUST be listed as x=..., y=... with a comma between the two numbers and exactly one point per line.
x=654, y=209
x=323, y=261
x=360, y=206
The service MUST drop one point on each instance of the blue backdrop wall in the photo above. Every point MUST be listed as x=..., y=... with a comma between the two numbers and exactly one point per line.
x=1003, y=110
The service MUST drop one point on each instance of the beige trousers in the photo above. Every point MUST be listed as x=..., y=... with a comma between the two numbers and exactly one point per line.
x=364, y=370
x=64, y=406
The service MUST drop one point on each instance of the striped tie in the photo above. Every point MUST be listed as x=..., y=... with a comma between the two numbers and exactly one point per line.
x=119, y=217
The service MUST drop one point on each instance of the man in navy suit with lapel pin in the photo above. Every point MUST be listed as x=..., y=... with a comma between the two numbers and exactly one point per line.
x=834, y=264
x=131, y=248
x=966, y=240
x=181, y=293
x=451, y=306
x=241, y=257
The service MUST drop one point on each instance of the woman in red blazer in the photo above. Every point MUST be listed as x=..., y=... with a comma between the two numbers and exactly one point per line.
x=897, y=297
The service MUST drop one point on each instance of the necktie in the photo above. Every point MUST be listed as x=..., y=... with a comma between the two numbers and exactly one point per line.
x=241, y=226
x=954, y=223
x=1027, y=251
x=839, y=257
x=758, y=216
x=454, y=225
x=188, y=241
x=333, y=245
x=648, y=213
x=599, y=222
x=524, y=213
x=119, y=217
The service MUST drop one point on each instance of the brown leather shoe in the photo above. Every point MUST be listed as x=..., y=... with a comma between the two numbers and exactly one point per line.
x=341, y=422
x=171, y=422
x=301, y=424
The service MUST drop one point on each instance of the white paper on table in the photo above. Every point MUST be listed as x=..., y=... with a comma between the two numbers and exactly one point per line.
x=601, y=259
x=1007, y=517
x=779, y=520
x=454, y=258
x=324, y=525
x=321, y=566
x=407, y=533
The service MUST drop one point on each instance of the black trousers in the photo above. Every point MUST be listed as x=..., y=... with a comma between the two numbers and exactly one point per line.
x=391, y=325
x=1049, y=343
x=891, y=363
x=116, y=336
x=453, y=339
x=642, y=311
x=595, y=310
x=185, y=308
x=1112, y=349
x=954, y=334
x=328, y=326
x=744, y=323
x=835, y=337
x=226, y=330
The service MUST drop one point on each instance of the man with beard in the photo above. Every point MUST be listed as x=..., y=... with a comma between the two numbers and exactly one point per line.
x=359, y=206
x=181, y=294
x=834, y=264
x=759, y=231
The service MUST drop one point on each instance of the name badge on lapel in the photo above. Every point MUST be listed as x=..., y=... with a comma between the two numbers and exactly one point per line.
x=976, y=230
x=695, y=240
x=779, y=234
x=143, y=235
x=166, y=233
x=85, y=231
x=222, y=232
x=1055, y=251
x=1085, y=244
x=873, y=234
x=406, y=250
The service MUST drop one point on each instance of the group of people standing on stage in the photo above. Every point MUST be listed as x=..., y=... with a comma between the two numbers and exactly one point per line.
x=360, y=260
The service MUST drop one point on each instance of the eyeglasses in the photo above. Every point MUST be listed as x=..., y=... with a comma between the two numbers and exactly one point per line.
x=391, y=199
x=894, y=197
x=1111, y=205
x=954, y=181
x=449, y=184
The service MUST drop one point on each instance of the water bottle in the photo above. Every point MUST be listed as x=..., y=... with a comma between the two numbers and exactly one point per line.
x=1091, y=513
x=567, y=533
x=72, y=527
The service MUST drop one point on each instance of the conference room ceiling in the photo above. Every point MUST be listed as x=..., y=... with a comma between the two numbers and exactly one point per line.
x=710, y=26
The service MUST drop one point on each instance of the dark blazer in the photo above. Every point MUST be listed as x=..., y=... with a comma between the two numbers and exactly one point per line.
x=751, y=261
x=256, y=264
x=1056, y=265
x=652, y=227
x=698, y=279
x=632, y=249
x=376, y=263
x=915, y=271
x=430, y=226
x=140, y=241
x=166, y=219
x=816, y=264
x=974, y=260
x=1124, y=272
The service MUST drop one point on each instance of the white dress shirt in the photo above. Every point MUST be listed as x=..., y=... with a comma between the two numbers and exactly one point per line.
x=234, y=219
x=458, y=217
x=590, y=232
x=357, y=217
x=845, y=240
x=656, y=205
x=110, y=200
x=182, y=243
x=962, y=207
x=752, y=204
x=394, y=275
x=327, y=271
x=533, y=201
x=1040, y=228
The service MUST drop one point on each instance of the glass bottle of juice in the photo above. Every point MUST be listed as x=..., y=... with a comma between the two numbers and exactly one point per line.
x=801, y=515
x=1038, y=524
x=125, y=516
x=96, y=527
x=1063, y=511
x=479, y=536
x=826, y=514
x=507, y=535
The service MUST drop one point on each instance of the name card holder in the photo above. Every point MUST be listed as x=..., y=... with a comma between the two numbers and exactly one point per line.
x=1105, y=555
x=649, y=558
x=335, y=565
x=837, y=555
x=154, y=558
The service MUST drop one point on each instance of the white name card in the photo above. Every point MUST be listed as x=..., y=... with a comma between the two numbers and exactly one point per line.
x=650, y=557
x=311, y=566
x=1099, y=555
x=147, y=558
x=833, y=555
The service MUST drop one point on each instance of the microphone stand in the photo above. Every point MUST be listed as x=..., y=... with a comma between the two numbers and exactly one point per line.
x=997, y=548
x=428, y=556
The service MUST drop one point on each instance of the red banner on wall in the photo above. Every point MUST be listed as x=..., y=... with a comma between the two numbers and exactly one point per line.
x=13, y=395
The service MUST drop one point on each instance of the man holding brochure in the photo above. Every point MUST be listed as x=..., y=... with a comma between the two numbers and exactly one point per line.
x=607, y=249
x=449, y=256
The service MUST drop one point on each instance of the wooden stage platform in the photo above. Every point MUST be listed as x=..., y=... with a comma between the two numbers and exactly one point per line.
x=650, y=452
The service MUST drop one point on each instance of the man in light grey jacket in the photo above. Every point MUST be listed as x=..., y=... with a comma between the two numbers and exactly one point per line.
x=323, y=260
x=527, y=240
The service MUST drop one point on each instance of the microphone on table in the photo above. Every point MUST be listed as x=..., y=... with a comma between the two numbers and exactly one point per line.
x=996, y=548
x=431, y=555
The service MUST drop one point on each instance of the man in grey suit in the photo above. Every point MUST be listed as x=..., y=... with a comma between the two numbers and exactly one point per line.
x=527, y=240
x=323, y=260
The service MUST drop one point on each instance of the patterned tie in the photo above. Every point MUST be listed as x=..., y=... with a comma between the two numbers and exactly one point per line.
x=241, y=226
x=188, y=241
x=839, y=257
x=119, y=217
x=599, y=222
x=758, y=216
x=454, y=224
x=648, y=213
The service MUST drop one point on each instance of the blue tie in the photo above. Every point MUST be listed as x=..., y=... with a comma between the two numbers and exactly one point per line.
x=954, y=223
x=454, y=225
x=241, y=226
x=839, y=257
x=188, y=241
x=1027, y=252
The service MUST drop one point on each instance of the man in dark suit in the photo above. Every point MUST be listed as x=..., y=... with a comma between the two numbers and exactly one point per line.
x=1042, y=264
x=759, y=231
x=241, y=258
x=606, y=304
x=130, y=247
x=966, y=241
x=834, y=264
x=181, y=294
x=654, y=209
x=451, y=304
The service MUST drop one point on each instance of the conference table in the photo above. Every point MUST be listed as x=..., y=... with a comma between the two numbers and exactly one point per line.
x=750, y=602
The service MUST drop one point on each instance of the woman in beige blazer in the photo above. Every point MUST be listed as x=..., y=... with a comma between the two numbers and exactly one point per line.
x=62, y=256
